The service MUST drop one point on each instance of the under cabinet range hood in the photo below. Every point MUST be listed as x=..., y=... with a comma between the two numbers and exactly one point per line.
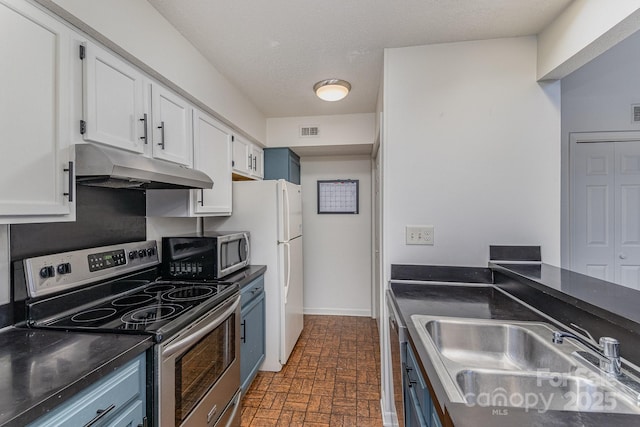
x=109, y=167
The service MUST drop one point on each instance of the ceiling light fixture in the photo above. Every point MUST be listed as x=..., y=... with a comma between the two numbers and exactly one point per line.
x=332, y=89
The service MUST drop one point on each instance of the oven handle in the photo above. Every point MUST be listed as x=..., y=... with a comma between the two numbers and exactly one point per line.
x=189, y=340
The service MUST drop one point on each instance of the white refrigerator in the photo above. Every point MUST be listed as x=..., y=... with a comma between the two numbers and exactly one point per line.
x=272, y=212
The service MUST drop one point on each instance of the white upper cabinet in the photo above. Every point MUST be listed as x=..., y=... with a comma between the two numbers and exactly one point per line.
x=171, y=126
x=35, y=107
x=212, y=155
x=248, y=158
x=114, y=101
x=125, y=109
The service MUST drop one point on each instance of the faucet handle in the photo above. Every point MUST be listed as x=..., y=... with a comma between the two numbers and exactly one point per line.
x=610, y=347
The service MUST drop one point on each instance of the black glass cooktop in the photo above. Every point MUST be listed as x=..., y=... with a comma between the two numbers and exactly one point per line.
x=148, y=309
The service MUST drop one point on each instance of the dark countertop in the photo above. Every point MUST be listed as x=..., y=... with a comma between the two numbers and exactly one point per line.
x=40, y=369
x=246, y=275
x=483, y=302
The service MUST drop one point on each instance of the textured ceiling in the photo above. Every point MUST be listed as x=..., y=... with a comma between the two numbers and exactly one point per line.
x=275, y=50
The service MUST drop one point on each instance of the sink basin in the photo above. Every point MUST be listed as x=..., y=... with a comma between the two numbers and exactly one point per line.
x=515, y=364
x=497, y=345
x=542, y=392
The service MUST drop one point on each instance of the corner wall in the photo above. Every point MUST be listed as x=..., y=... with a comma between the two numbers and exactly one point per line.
x=472, y=147
x=337, y=248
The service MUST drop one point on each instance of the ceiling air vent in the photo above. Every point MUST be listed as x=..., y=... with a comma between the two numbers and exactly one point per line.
x=309, y=131
x=635, y=113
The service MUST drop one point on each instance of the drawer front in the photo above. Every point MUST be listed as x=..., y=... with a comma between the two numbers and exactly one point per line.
x=131, y=416
x=251, y=291
x=106, y=398
x=419, y=384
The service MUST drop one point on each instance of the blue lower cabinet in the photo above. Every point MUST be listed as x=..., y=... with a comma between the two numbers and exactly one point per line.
x=252, y=331
x=418, y=405
x=117, y=400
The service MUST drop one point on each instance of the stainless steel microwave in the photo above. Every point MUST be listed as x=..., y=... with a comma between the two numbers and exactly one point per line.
x=205, y=256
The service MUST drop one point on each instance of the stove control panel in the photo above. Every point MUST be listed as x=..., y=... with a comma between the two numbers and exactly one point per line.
x=68, y=270
x=106, y=260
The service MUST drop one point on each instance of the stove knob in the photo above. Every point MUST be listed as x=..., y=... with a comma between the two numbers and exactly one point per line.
x=46, y=272
x=151, y=251
x=133, y=255
x=142, y=253
x=64, y=268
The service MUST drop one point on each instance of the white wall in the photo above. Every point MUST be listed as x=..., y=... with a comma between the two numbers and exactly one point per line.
x=337, y=248
x=472, y=147
x=141, y=31
x=582, y=32
x=344, y=129
x=598, y=97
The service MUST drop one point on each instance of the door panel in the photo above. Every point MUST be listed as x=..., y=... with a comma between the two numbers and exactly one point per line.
x=627, y=216
x=293, y=211
x=291, y=298
x=593, y=196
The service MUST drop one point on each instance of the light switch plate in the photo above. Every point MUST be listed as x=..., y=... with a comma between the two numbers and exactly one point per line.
x=419, y=235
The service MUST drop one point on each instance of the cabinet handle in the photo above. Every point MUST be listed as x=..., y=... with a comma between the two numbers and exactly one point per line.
x=161, y=127
x=69, y=169
x=250, y=161
x=254, y=163
x=100, y=414
x=255, y=290
x=144, y=422
x=144, y=119
x=243, y=334
x=201, y=201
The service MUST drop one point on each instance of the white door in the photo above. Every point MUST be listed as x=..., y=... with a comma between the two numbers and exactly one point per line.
x=212, y=155
x=593, y=197
x=257, y=162
x=627, y=213
x=606, y=211
x=113, y=101
x=35, y=75
x=171, y=126
x=292, y=320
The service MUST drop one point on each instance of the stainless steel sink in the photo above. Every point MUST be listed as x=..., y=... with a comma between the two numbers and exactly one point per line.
x=497, y=345
x=515, y=364
x=542, y=392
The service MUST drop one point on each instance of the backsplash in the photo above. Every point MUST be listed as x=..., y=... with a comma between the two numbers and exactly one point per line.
x=104, y=216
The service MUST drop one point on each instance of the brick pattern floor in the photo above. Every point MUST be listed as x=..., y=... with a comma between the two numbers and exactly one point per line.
x=332, y=378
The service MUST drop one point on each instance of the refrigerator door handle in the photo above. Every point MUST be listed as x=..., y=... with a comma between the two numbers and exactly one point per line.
x=287, y=279
x=287, y=225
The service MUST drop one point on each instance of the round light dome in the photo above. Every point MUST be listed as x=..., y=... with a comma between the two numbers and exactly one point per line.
x=332, y=89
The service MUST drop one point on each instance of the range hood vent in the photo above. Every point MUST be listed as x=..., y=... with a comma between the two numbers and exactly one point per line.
x=113, y=168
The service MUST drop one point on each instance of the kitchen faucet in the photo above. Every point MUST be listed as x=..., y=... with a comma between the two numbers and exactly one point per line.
x=608, y=349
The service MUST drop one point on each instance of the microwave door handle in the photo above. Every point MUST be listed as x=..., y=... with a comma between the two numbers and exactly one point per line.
x=185, y=343
x=247, y=247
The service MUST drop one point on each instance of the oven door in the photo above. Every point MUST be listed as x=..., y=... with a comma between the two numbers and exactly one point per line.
x=199, y=370
x=233, y=253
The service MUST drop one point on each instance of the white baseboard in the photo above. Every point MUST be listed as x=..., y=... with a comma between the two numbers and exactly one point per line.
x=338, y=311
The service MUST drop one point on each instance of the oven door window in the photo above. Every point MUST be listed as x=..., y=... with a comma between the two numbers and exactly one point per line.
x=233, y=253
x=202, y=365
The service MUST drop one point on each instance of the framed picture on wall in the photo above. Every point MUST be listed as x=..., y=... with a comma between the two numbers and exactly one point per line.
x=338, y=196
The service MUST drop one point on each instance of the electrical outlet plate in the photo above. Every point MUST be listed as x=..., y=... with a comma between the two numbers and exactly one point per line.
x=419, y=235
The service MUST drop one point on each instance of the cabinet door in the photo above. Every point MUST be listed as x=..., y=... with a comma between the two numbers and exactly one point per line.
x=257, y=168
x=212, y=155
x=171, y=126
x=35, y=71
x=242, y=156
x=113, y=101
x=252, y=340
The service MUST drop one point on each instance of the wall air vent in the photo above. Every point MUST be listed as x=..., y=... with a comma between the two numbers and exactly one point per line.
x=309, y=131
x=635, y=113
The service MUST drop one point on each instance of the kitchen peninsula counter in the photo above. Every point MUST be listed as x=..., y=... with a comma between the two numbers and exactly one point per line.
x=40, y=369
x=478, y=293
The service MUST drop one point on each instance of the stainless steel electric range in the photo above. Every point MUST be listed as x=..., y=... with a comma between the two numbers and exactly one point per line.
x=117, y=289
